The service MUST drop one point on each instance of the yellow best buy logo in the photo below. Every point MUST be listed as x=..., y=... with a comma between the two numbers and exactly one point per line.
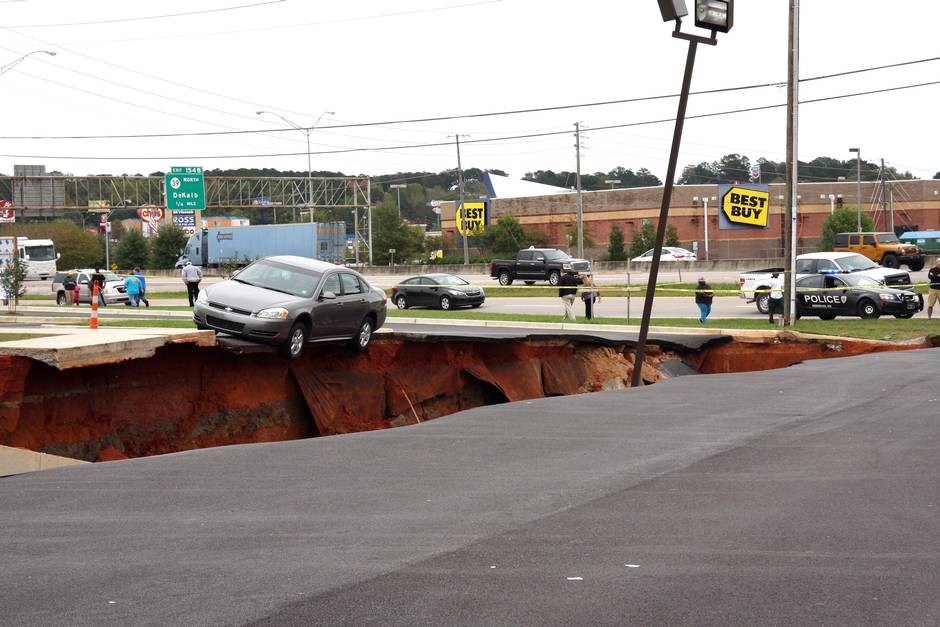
x=746, y=206
x=471, y=218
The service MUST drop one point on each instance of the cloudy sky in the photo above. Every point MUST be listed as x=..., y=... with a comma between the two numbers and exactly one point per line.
x=122, y=69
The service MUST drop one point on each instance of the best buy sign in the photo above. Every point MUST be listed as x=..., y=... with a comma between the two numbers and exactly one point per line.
x=746, y=206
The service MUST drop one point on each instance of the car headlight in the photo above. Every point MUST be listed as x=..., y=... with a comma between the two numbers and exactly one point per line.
x=566, y=266
x=203, y=297
x=888, y=296
x=482, y=293
x=455, y=293
x=275, y=313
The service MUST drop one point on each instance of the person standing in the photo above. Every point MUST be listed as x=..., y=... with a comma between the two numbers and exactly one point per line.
x=143, y=287
x=192, y=275
x=132, y=285
x=97, y=279
x=934, y=294
x=703, y=298
x=68, y=286
x=590, y=296
x=568, y=291
x=775, y=303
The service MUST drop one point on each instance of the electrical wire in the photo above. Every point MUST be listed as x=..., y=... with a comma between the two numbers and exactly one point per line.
x=490, y=139
x=601, y=103
x=150, y=17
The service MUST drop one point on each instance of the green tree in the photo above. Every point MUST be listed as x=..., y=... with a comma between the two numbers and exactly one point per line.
x=166, y=246
x=79, y=248
x=507, y=237
x=391, y=232
x=842, y=220
x=672, y=235
x=643, y=239
x=615, y=249
x=134, y=250
x=13, y=282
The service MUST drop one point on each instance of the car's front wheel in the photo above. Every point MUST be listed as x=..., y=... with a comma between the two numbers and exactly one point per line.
x=445, y=303
x=293, y=347
x=868, y=310
x=60, y=299
x=363, y=338
x=400, y=302
x=890, y=261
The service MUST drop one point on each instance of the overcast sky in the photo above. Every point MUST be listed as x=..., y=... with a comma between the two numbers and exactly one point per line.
x=372, y=60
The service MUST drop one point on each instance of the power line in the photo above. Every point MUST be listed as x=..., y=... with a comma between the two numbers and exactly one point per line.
x=498, y=113
x=489, y=139
x=149, y=17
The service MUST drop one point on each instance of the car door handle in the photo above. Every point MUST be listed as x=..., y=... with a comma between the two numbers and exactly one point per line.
x=362, y=300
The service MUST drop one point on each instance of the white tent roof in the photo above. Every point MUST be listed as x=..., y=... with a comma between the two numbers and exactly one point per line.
x=506, y=187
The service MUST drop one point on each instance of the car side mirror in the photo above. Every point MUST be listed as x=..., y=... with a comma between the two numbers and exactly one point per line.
x=58, y=255
x=327, y=296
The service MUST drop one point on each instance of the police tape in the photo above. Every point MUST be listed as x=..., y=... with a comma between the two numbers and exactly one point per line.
x=665, y=287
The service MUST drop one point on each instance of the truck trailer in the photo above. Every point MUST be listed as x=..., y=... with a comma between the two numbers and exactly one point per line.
x=211, y=247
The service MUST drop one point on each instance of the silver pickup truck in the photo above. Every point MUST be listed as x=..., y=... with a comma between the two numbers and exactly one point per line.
x=754, y=285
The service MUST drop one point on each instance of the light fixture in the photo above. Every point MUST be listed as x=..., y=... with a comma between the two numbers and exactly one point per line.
x=715, y=15
x=673, y=9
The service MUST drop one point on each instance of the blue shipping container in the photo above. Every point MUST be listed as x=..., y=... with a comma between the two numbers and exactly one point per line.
x=324, y=241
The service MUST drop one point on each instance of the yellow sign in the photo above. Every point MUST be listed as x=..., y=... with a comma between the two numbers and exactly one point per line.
x=746, y=206
x=471, y=218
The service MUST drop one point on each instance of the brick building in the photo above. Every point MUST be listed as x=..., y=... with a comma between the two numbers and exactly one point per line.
x=916, y=203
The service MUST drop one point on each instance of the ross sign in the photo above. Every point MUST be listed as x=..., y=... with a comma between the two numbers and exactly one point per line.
x=185, y=189
x=150, y=218
x=472, y=218
x=743, y=206
x=186, y=220
x=7, y=212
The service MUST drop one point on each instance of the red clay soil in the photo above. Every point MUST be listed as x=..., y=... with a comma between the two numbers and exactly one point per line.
x=188, y=397
x=746, y=357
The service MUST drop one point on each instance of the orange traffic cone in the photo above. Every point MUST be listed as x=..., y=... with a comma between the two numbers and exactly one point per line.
x=93, y=322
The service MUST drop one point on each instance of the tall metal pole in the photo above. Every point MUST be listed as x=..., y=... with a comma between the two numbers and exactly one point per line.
x=705, y=202
x=577, y=146
x=356, y=234
x=466, y=237
x=637, y=378
x=309, y=177
x=369, y=205
x=793, y=118
x=858, y=191
x=891, y=204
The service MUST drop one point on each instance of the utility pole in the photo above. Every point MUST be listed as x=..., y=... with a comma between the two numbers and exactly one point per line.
x=793, y=115
x=577, y=147
x=884, y=193
x=891, y=204
x=858, y=188
x=705, y=203
x=369, y=205
x=466, y=235
x=356, y=234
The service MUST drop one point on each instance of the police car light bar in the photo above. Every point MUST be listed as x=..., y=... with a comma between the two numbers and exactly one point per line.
x=715, y=15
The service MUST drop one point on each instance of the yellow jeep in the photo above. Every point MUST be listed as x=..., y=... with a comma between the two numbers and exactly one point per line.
x=883, y=248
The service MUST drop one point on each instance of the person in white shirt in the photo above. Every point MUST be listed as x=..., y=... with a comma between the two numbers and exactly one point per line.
x=192, y=275
x=775, y=304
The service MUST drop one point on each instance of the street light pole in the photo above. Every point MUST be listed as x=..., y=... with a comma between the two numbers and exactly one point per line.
x=466, y=234
x=306, y=130
x=714, y=20
x=577, y=146
x=705, y=204
x=398, y=187
x=858, y=188
x=793, y=164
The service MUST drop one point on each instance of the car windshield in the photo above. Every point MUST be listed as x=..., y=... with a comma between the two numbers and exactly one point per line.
x=861, y=281
x=45, y=252
x=110, y=276
x=449, y=279
x=556, y=255
x=854, y=263
x=280, y=277
x=887, y=238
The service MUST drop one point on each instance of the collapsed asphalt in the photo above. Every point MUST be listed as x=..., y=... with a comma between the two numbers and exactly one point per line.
x=800, y=496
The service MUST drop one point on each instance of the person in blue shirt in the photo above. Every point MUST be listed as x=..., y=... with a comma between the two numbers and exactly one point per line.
x=143, y=287
x=132, y=284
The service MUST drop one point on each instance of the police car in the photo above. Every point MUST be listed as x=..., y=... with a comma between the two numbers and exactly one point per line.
x=831, y=295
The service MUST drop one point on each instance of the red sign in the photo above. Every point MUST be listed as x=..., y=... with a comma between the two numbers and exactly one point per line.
x=7, y=212
x=150, y=216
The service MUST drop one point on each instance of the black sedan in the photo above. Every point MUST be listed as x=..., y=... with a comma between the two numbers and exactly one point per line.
x=445, y=291
x=828, y=296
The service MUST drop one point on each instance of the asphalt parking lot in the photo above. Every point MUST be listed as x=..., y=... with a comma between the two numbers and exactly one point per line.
x=774, y=497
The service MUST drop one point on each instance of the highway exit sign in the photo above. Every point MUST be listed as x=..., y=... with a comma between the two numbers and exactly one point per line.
x=185, y=189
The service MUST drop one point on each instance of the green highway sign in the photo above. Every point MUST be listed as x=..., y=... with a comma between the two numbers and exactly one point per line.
x=185, y=189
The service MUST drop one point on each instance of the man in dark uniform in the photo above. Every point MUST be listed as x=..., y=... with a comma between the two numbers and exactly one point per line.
x=568, y=290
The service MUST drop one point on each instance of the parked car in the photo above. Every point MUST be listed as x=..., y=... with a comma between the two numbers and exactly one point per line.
x=445, y=291
x=114, y=290
x=883, y=248
x=831, y=295
x=670, y=253
x=754, y=285
x=288, y=301
x=536, y=264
